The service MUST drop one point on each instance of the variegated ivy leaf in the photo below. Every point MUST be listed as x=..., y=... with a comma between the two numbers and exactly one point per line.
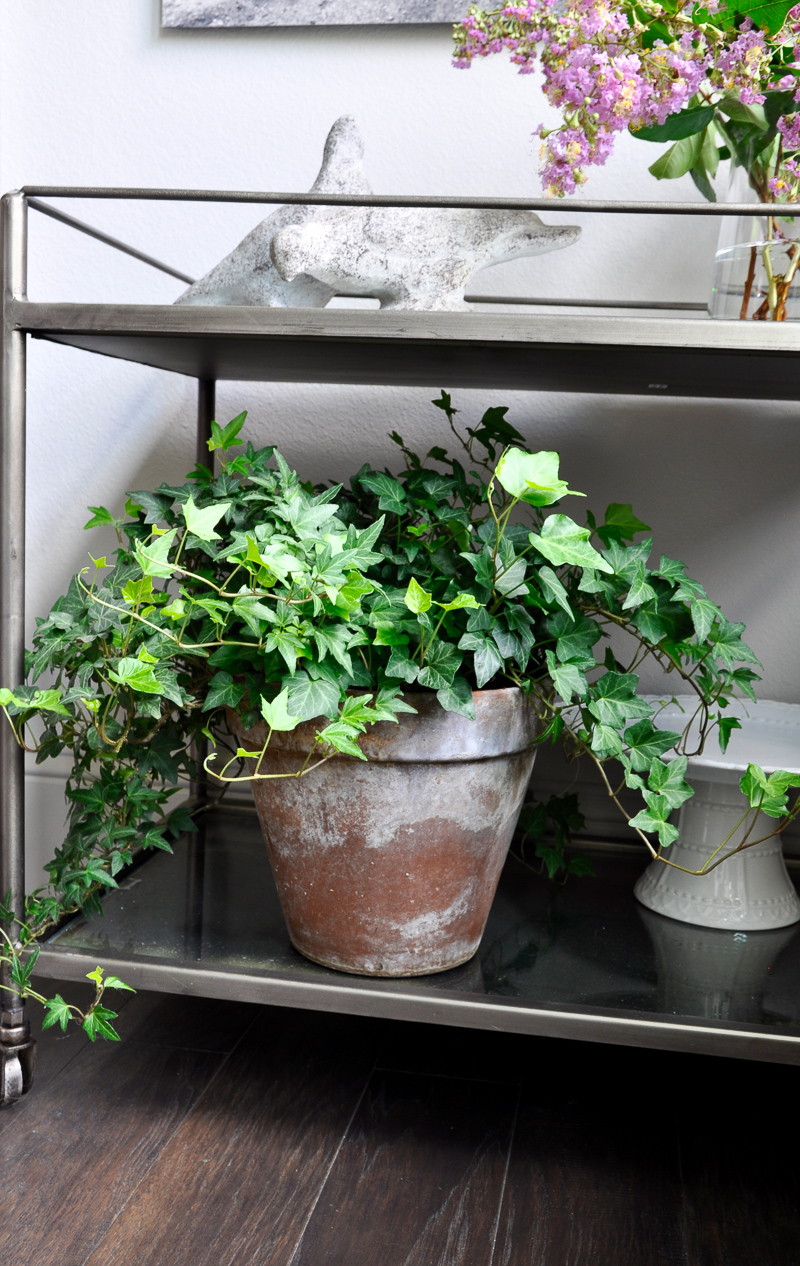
x=668, y=780
x=276, y=713
x=769, y=794
x=461, y=602
x=153, y=557
x=614, y=699
x=532, y=477
x=416, y=598
x=653, y=821
x=201, y=523
x=553, y=589
x=457, y=697
x=563, y=541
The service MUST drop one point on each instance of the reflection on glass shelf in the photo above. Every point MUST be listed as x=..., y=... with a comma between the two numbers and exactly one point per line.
x=588, y=944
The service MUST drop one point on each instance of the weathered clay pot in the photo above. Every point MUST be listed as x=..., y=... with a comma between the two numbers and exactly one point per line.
x=388, y=867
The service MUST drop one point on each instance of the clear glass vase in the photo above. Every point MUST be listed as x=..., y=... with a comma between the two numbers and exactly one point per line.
x=757, y=265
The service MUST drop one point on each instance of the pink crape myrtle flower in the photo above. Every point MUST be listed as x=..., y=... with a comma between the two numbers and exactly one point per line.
x=605, y=73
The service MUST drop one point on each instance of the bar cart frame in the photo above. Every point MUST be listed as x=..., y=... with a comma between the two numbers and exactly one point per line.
x=637, y=354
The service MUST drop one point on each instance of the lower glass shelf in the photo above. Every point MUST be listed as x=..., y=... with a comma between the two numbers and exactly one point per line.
x=582, y=961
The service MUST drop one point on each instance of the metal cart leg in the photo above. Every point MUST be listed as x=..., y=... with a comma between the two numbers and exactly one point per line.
x=196, y=844
x=17, y=1049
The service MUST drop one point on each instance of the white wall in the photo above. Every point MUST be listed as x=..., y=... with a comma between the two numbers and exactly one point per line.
x=96, y=93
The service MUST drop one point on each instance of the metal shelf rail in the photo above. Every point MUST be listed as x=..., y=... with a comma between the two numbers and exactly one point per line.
x=566, y=350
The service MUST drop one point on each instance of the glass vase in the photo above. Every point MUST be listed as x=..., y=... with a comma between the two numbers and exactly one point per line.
x=756, y=266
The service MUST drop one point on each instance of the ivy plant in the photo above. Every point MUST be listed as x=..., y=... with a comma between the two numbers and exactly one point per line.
x=248, y=589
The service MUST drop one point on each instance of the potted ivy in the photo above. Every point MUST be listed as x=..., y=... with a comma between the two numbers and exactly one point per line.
x=327, y=640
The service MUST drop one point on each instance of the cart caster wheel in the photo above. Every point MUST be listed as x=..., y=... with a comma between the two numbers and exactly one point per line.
x=17, y=1057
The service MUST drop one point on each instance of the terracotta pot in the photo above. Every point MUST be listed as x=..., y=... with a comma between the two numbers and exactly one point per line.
x=389, y=867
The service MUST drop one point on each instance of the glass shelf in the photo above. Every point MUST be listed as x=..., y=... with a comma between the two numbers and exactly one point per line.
x=584, y=960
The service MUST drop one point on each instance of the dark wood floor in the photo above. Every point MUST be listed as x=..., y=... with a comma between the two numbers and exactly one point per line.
x=219, y=1134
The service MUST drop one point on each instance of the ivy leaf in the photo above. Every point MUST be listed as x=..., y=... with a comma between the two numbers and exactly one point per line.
x=442, y=662
x=563, y=541
x=402, y=665
x=640, y=591
x=457, y=697
x=726, y=727
x=416, y=598
x=201, y=523
x=308, y=699
x=532, y=477
x=137, y=675
x=58, y=1012
x=101, y=517
x=487, y=659
x=391, y=493
x=644, y=742
x=605, y=741
x=621, y=524
x=96, y=1024
x=615, y=700
x=342, y=736
x=510, y=579
x=461, y=602
x=225, y=437
x=114, y=982
x=668, y=780
x=769, y=794
x=568, y=679
x=276, y=714
x=153, y=558
x=651, y=820
x=703, y=613
x=223, y=692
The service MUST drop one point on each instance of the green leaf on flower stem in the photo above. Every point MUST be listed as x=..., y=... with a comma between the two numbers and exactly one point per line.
x=700, y=177
x=416, y=598
x=730, y=103
x=137, y=675
x=679, y=159
x=644, y=742
x=223, y=692
x=532, y=477
x=457, y=698
x=308, y=699
x=677, y=126
x=563, y=541
x=769, y=794
x=153, y=557
x=201, y=523
x=225, y=437
x=276, y=714
x=58, y=1012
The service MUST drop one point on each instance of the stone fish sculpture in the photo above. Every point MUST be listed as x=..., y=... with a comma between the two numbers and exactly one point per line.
x=412, y=259
x=422, y=259
x=247, y=277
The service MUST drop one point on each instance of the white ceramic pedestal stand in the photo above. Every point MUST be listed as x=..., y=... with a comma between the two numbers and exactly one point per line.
x=751, y=891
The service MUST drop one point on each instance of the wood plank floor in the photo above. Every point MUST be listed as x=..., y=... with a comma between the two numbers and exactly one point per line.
x=221, y=1134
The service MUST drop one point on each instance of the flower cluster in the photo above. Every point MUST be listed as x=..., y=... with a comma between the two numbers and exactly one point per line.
x=612, y=65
